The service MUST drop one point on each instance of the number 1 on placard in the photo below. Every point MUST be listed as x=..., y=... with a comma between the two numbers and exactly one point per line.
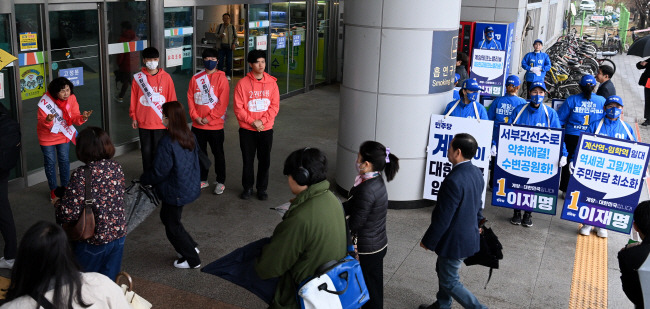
x=502, y=187
x=574, y=200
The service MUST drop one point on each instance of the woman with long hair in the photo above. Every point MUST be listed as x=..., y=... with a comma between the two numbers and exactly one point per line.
x=46, y=272
x=101, y=253
x=367, y=208
x=176, y=177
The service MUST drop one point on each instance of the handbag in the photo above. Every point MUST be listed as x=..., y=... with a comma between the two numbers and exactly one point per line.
x=139, y=202
x=84, y=228
x=336, y=284
x=490, y=253
x=135, y=301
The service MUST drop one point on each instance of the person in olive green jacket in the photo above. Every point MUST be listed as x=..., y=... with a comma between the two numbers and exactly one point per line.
x=312, y=231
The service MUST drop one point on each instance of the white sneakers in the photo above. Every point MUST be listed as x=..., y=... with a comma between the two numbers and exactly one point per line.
x=228, y=77
x=184, y=264
x=219, y=188
x=586, y=230
x=7, y=263
x=204, y=184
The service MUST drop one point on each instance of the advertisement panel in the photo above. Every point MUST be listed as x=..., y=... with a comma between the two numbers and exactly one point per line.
x=606, y=183
x=443, y=61
x=491, y=57
x=526, y=173
x=32, y=80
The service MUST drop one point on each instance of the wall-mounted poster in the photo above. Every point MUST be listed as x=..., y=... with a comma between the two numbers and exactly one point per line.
x=32, y=81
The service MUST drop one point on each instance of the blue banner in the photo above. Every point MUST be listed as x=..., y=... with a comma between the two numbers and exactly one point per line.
x=491, y=58
x=526, y=171
x=296, y=40
x=74, y=75
x=606, y=183
x=281, y=42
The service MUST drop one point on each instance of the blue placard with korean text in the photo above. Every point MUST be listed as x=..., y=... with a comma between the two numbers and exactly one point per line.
x=74, y=75
x=606, y=183
x=491, y=61
x=296, y=40
x=526, y=170
x=281, y=42
x=443, y=61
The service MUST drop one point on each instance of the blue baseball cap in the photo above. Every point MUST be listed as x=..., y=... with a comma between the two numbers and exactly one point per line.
x=588, y=80
x=614, y=99
x=513, y=80
x=471, y=85
x=456, y=78
x=537, y=85
x=538, y=41
x=488, y=29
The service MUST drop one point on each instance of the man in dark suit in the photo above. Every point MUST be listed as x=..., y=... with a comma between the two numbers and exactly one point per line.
x=632, y=256
x=454, y=233
x=643, y=80
x=604, y=76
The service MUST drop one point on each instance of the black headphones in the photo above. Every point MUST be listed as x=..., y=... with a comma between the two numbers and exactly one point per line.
x=301, y=175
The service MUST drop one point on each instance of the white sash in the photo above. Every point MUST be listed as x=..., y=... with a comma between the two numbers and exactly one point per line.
x=141, y=79
x=207, y=94
x=602, y=120
x=478, y=118
x=548, y=119
x=49, y=107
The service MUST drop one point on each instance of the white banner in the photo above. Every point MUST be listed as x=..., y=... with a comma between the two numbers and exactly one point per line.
x=174, y=57
x=441, y=132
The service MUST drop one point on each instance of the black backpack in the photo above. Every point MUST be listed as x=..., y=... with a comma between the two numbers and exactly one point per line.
x=490, y=253
x=9, y=140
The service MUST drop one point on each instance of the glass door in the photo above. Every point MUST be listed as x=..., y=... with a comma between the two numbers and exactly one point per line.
x=7, y=82
x=74, y=39
x=322, y=41
x=288, y=44
x=298, y=27
x=258, y=29
x=179, y=34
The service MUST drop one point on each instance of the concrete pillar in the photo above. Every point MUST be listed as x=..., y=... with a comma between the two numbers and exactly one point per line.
x=157, y=28
x=389, y=59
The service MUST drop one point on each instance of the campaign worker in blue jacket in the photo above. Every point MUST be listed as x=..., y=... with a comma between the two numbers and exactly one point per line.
x=456, y=94
x=611, y=125
x=466, y=106
x=576, y=113
x=536, y=63
x=535, y=113
x=177, y=179
x=502, y=107
x=489, y=41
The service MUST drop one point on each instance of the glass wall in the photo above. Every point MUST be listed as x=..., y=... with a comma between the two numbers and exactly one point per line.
x=179, y=30
x=288, y=44
x=7, y=81
x=33, y=77
x=128, y=26
x=258, y=28
x=322, y=41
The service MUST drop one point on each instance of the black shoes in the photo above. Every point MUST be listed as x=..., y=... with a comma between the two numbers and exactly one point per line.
x=516, y=218
x=527, y=221
x=246, y=194
x=432, y=306
x=645, y=123
x=262, y=196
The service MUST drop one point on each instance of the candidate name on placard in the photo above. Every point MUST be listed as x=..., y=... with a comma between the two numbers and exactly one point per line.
x=441, y=132
x=606, y=183
x=526, y=172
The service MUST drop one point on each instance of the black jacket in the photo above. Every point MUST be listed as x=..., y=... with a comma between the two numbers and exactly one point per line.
x=646, y=74
x=606, y=89
x=629, y=261
x=367, y=207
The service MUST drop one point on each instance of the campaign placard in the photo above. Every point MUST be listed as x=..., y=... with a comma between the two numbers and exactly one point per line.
x=606, y=183
x=174, y=56
x=526, y=172
x=441, y=132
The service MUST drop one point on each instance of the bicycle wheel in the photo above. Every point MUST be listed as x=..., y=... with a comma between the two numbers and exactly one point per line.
x=591, y=64
x=607, y=62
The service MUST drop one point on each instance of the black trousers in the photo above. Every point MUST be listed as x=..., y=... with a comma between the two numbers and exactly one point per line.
x=372, y=267
x=183, y=243
x=571, y=141
x=7, y=225
x=646, y=111
x=148, y=143
x=252, y=143
x=215, y=139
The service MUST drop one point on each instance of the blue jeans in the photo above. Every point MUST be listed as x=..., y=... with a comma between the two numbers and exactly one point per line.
x=62, y=151
x=105, y=259
x=225, y=57
x=450, y=286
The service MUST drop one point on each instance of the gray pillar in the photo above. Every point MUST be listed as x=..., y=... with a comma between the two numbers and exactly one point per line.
x=157, y=28
x=385, y=93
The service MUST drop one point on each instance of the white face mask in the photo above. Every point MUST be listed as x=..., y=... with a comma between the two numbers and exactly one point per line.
x=151, y=65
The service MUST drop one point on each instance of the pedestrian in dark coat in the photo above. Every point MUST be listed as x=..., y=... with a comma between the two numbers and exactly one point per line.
x=643, y=81
x=632, y=256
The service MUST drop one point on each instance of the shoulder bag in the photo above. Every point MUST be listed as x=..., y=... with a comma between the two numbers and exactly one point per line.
x=84, y=228
x=336, y=284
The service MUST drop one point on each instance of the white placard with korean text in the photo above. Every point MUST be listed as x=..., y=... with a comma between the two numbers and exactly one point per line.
x=441, y=132
x=174, y=57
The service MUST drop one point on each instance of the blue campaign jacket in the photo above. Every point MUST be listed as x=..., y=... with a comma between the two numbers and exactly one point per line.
x=453, y=232
x=537, y=118
x=456, y=95
x=466, y=110
x=175, y=173
x=577, y=112
x=612, y=128
x=500, y=111
x=494, y=44
x=534, y=59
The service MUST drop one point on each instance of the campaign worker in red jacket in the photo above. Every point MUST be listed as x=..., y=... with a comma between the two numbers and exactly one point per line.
x=207, y=98
x=58, y=113
x=257, y=102
x=151, y=88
